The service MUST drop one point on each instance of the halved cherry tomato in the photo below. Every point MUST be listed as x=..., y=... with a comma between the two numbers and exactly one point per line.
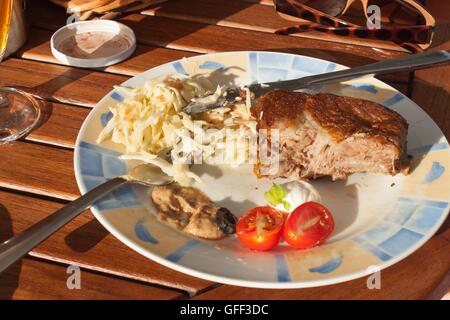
x=260, y=228
x=308, y=225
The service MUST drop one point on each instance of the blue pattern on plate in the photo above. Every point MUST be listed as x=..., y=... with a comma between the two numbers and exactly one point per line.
x=365, y=87
x=113, y=200
x=267, y=67
x=112, y=165
x=430, y=147
x=279, y=61
x=380, y=232
x=271, y=74
x=435, y=172
x=372, y=249
x=179, y=68
x=97, y=165
x=125, y=197
x=116, y=96
x=393, y=100
x=98, y=149
x=90, y=162
x=143, y=234
x=329, y=266
x=402, y=212
x=426, y=202
x=91, y=182
x=212, y=65
x=309, y=65
x=331, y=67
x=295, y=74
x=96, y=161
x=282, y=269
x=253, y=66
x=424, y=219
x=105, y=117
x=181, y=251
x=400, y=241
x=410, y=219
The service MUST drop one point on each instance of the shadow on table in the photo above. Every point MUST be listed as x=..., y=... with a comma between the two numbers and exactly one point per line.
x=9, y=279
x=434, y=100
x=444, y=228
x=44, y=92
x=441, y=35
x=46, y=111
x=86, y=237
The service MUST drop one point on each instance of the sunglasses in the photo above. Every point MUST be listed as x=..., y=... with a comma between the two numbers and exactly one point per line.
x=404, y=22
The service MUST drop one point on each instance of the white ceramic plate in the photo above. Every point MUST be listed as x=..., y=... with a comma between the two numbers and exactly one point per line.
x=379, y=219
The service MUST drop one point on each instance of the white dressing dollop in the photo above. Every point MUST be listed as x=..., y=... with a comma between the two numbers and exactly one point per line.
x=297, y=193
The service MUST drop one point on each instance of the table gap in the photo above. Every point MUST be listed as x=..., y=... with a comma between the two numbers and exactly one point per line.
x=45, y=144
x=34, y=195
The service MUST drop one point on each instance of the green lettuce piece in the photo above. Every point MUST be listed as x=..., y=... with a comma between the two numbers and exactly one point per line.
x=276, y=195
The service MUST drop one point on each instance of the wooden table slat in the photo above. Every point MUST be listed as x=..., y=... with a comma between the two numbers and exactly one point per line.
x=58, y=83
x=85, y=242
x=59, y=125
x=34, y=279
x=38, y=169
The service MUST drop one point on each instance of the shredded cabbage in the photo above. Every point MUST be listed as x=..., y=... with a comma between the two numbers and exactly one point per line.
x=149, y=116
x=151, y=125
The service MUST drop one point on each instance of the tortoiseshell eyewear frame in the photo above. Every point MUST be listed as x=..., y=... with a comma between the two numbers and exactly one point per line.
x=414, y=38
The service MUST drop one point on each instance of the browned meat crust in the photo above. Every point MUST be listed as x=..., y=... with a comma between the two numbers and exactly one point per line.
x=342, y=120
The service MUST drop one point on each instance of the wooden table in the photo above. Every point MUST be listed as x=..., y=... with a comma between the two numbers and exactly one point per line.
x=36, y=173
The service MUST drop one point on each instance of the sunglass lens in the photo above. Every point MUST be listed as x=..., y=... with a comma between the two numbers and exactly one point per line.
x=396, y=12
x=330, y=7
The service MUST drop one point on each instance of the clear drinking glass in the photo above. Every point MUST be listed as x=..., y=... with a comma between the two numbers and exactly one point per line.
x=19, y=111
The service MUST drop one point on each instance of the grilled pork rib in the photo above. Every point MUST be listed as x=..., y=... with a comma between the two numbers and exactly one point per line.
x=330, y=135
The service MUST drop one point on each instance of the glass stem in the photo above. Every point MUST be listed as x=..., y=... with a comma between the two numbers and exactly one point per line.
x=4, y=101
